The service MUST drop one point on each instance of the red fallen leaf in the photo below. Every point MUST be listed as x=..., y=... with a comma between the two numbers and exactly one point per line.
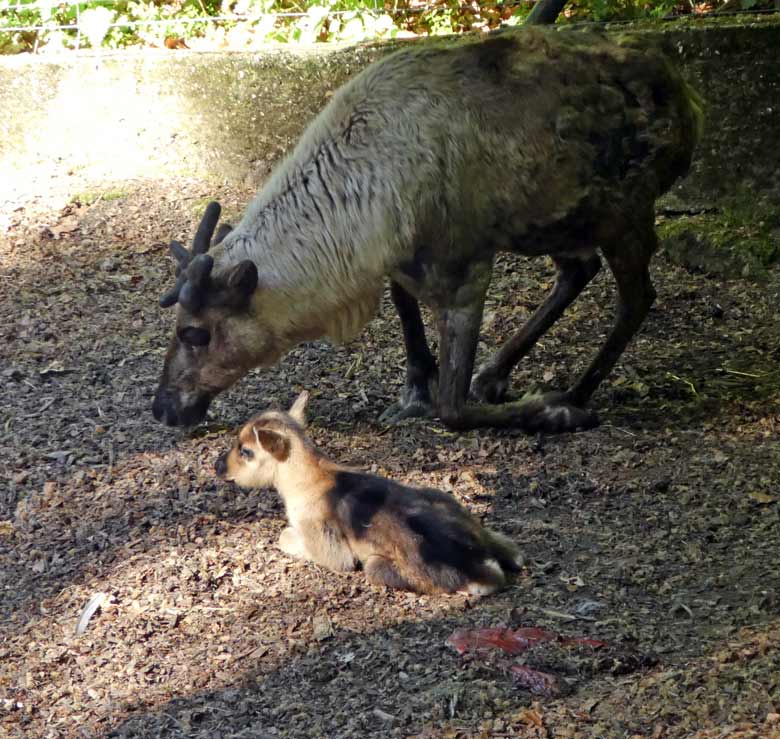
x=510, y=641
x=536, y=682
x=595, y=643
x=535, y=634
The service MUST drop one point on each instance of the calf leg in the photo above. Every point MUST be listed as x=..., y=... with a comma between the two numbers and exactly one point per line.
x=320, y=542
x=421, y=371
x=291, y=542
x=491, y=579
x=326, y=545
x=381, y=571
x=491, y=382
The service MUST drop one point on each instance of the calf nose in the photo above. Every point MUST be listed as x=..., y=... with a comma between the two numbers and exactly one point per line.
x=220, y=466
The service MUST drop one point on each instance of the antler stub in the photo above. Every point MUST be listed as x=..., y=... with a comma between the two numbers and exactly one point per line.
x=194, y=267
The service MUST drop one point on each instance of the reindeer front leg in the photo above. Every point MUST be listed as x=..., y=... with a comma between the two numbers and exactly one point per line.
x=458, y=336
x=421, y=371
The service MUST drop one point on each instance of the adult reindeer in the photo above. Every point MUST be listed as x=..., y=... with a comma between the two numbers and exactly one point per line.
x=422, y=168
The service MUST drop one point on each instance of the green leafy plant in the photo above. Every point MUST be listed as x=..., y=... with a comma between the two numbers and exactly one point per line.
x=242, y=23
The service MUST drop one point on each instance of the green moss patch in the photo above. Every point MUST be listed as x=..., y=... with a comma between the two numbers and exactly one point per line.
x=736, y=241
x=90, y=197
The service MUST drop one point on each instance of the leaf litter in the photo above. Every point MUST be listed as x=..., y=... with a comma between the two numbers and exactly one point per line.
x=656, y=534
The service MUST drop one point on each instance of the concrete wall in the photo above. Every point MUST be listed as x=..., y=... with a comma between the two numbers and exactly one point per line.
x=233, y=114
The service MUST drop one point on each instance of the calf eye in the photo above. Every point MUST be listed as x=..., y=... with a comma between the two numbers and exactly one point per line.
x=246, y=452
x=194, y=336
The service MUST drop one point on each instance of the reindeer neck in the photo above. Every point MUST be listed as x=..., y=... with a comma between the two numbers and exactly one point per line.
x=323, y=233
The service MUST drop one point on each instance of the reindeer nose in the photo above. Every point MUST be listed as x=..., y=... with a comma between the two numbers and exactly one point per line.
x=169, y=408
x=164, y=408
x=161, y=406
x=220, y=466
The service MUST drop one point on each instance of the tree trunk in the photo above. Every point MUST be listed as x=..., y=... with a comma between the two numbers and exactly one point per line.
x=545, y=12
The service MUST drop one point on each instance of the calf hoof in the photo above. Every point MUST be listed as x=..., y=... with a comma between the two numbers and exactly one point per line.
x=290, y=542
x=492, y=581
x=488, y=388
x=553, y=413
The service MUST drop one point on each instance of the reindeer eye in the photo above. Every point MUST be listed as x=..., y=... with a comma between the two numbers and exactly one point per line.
x=246, y=452
x=194, y=336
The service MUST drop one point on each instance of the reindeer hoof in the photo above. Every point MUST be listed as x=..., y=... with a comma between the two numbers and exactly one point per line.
x=488, y=388
x=415, y=402
x=405, y=409
x=553, y=413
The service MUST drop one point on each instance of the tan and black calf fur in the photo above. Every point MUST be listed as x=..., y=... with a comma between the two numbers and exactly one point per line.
x=411, y=538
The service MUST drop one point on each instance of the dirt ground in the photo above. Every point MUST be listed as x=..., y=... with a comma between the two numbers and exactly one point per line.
x=657, y=533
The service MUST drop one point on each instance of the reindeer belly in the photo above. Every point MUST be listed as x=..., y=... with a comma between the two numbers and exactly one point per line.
x=347, y=321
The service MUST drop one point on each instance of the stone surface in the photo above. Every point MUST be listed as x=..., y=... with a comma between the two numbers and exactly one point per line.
x=234, y=114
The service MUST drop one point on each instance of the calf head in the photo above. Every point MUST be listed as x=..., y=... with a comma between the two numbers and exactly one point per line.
x=262, y=445
x=217, y=339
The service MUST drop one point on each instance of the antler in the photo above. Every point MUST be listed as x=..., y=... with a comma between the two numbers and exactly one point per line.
x=194, y=267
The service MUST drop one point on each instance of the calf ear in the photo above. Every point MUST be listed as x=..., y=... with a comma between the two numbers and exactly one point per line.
x=242, y=279
x=277, y=445
x=298, y=409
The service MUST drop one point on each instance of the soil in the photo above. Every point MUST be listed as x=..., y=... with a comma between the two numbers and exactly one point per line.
x=657, y=533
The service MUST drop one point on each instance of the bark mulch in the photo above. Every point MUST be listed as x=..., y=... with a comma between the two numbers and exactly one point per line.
x=657, y=533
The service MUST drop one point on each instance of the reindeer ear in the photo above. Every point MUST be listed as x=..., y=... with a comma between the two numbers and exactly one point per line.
x=298, y=409
x=277, y=445
x=242, y=279
x=223, y=230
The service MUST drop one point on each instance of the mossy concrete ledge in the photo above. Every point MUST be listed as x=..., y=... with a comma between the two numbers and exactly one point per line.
x=233, y=114
x=139, y=114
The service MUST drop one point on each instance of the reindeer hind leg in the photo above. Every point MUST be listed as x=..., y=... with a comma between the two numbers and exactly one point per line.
x=628, y=243
x=636, y=294
x=628, y=252
x=490, y=383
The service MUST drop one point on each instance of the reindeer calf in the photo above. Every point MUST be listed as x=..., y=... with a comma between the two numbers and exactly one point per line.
x=409, y=538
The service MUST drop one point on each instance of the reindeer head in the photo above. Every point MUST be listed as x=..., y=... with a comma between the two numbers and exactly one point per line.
x=216, y=340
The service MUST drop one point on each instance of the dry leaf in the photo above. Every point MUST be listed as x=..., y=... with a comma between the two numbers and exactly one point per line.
x=322, y=628
x=69, y=224
x=761, y=498
x=530, y=717
x=95, y=602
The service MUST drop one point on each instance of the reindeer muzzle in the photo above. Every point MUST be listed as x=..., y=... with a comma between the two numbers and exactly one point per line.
x=168, y=408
